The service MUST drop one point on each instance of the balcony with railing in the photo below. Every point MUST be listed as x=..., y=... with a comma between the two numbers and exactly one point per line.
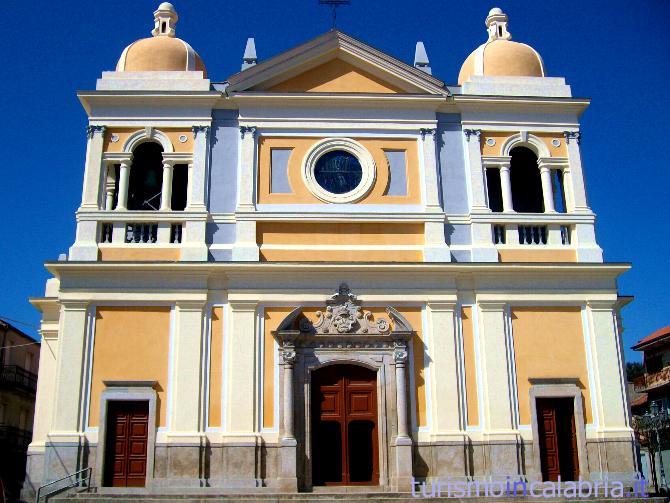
x=15, y=377
x=652, y=380
x=156, y=235
x=14, y=439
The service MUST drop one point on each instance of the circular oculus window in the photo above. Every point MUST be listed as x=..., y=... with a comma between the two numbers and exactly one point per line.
x=339, y=170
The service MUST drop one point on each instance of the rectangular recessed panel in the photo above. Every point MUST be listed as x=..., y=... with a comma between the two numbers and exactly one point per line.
x=397, y=185
x=330, y=404
x=138, y=429
x=279, y=183
x=360, y=402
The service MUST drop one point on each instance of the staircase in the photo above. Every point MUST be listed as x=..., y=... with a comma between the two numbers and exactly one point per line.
x=209, y=496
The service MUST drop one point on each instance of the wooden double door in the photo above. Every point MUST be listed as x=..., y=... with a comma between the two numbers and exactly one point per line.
x=557, y=438
x=344, y=426
x=126, y=443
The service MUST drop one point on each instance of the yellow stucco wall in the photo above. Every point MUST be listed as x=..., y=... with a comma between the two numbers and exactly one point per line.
x=501, y=136
x=537, y=255
x=172, y=133
x=215, y=368
x=300, y=193
x=139, y=254
x=467, y=329
x=335, y=76
x=414, y=317
x=360, y=234
x=131, y=343
x=549, y=343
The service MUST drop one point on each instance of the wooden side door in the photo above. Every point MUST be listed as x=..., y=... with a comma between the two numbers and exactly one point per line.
x=126, y=443
x=546, y=425
x=558, y=439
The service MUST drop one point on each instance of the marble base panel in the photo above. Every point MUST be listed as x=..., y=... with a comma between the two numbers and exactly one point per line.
x=234, y=467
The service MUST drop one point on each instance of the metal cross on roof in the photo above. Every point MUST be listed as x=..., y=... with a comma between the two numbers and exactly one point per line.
x=334, y=4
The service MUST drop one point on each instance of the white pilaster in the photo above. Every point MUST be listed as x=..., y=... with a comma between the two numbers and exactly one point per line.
x=70, y=367
x=606, y=363
x=85, y=247
x=477, y=183
x=166, y=188
x=432, y=195
x=246, y=248
x=498, y=413
x=575, y=172
x=197, y=180
x=246, y=170
x=445, y=370
x=241, y=379
x=45, y=387
x=584, y=238
x=185, y=406
x=90, y=198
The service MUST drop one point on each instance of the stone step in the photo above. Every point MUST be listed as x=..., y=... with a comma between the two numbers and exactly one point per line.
x=370, y=497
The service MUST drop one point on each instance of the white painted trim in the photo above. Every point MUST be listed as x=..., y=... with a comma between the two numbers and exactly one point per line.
x=594, y=391
x=224, y=366
x=511, y=365
x=365, y=159
x=426, y=370
x=171, y=368
x=460, y=369
x=532, y=142
x=140, y=136
x=88, y=364
x=478, y=365
x=207, y=359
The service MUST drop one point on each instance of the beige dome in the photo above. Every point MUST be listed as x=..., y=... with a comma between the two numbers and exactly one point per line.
x=162, y=52
x=499, y=56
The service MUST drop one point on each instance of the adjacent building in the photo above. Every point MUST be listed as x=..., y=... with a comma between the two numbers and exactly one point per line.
x=331, y=268
x=19, y=361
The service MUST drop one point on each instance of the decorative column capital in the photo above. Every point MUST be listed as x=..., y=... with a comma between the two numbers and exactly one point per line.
x=92, y=130
x=573, y=135
x=248, y=129
x=200, y=129
x=288, y=355
x=472, y=132
x=426, y=131
x=400, y=353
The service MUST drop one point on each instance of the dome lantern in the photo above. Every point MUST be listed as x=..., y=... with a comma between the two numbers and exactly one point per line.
x=496, y=22
x=165, y=19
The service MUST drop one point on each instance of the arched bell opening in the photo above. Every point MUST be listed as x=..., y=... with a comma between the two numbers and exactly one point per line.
x=146, y=178
x=526, y=181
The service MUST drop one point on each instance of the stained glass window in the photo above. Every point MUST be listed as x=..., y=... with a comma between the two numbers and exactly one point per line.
x=338, y=172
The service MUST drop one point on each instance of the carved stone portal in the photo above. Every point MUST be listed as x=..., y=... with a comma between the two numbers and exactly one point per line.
x=343, y=330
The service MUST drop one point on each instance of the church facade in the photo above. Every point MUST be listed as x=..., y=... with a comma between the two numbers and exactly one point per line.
x=331, y=268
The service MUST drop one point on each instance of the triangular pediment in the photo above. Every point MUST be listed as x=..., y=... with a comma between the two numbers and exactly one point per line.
x=334, y=76
x=335, y=63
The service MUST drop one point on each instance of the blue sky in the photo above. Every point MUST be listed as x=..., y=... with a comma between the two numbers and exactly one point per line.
x=614, y=52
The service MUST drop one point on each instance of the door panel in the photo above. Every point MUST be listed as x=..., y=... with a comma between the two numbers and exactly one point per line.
x=344, y=425
x=557, y=439
x=127, y=435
